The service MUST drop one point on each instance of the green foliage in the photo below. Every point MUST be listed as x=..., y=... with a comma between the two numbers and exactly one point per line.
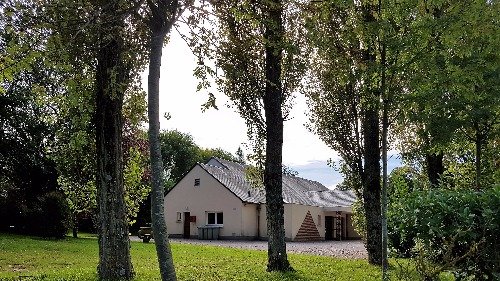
x=231, y=50
x=49, y=54
x=75, y=259
x=81, y=198
x=180, y=153
x=460, y=163
x=402, y=182
x=452, y=98
x=136, y=188
x=27, y=173
x=450, y=230
x=52, y=217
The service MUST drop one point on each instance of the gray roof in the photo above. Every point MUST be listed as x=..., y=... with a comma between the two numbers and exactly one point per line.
x=296, y=190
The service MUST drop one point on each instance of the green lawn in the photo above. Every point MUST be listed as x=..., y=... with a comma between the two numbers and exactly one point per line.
x=22, y=258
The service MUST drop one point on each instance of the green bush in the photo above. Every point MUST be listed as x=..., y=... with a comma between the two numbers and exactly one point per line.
x=402, y=182
x=449, y=230
x=50, y=217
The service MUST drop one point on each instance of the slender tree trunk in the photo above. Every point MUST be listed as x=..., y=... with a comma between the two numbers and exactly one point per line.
x=75, y=226
x=385, y=132
x=384, y=196
x=371, y=150
x=111, y=76
x=478, y=158
x=435, y=167
x=371, y=186
x=163, y=250
x=277, y=256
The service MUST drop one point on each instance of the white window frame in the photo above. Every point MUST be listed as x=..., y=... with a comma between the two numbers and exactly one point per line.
x=179, y=217
x=216, y=222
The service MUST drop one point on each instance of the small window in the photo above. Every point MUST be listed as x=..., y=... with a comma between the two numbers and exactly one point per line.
x=215, y=218
x=319, y=220
x=179, y=216
x=196, y=182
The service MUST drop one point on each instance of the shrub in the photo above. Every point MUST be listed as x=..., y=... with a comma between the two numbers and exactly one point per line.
x=450, y=230
x=50, y=217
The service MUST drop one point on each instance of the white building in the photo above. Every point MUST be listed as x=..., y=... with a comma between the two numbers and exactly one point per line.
x=217, y=195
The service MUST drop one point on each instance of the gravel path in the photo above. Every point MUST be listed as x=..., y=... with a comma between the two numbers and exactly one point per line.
x=353, y=249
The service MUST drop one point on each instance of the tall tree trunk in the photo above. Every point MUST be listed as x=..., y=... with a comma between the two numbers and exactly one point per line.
x=371, y=185
x=111, y=76
x=163, y=250
x=385, y=132
x=385, y=124
x=277, y=256
x=478, y=142
x=371, y=148
x=435, y=167
x=75, y=225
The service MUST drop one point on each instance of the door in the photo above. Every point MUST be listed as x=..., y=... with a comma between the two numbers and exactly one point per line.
x=338, y=228
x=187, y=225
x=328, y=228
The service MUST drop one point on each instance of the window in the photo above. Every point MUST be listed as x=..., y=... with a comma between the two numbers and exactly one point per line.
x=215, y=218
x=196, y=182
x=179, y=216
x=319, y=220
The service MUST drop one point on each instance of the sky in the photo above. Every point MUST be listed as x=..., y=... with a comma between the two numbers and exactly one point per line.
x=303, y=151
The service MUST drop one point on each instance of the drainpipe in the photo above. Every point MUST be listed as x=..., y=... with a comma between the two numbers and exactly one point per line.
x=258, y=221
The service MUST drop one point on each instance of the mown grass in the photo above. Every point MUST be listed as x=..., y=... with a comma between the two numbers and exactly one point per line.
x=28, y=258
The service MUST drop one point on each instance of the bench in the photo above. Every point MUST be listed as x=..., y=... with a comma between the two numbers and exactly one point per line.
x=145, y=233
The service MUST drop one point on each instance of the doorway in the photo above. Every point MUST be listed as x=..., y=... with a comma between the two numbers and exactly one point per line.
x=338, y=228
x=187, y=225
x=328, y=228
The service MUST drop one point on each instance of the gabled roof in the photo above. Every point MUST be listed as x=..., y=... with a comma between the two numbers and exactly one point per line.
x=296, y=190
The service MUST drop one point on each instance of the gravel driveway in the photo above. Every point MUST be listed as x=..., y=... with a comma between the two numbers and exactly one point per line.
x=353, y=249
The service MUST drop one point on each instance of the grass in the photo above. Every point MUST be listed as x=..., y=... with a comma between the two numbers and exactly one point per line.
x=29, y=258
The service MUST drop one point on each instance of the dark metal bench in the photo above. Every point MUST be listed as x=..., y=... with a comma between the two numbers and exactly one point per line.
x=145, y=233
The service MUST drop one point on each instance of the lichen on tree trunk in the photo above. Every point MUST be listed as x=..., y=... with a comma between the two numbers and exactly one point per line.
x=163, y=250
x=371, y=185
x=277, y=256
x=111, y=76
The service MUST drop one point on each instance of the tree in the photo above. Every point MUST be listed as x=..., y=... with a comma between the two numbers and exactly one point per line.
x=343, y=112
x=240, y=156
x=261, y=67
x=28, y=176
x=98, y=39
x=355, y=70
x=272, y=99
x=163, y=15
x=207, y=153
x=180, y=152
x=112, y=74
x=452, y=99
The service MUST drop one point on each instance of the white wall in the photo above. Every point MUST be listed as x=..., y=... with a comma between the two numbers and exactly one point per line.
x=298, y=214
x=249, y=220
x=294, y=216
x=209, y=196
x=240, y=219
